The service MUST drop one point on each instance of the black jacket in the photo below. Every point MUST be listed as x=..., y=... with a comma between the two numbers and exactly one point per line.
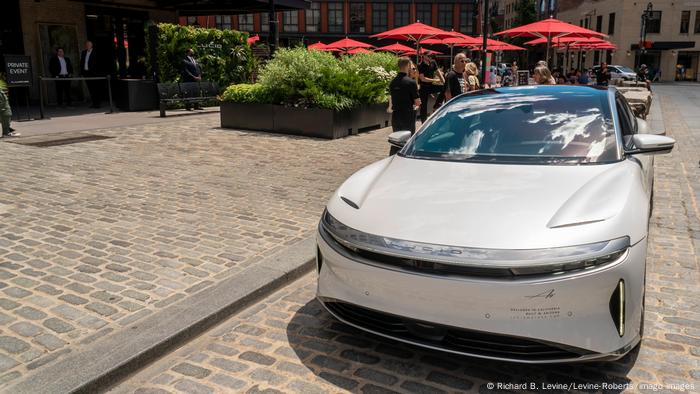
x=93, y=63
x=190, y=70
x=55, y=66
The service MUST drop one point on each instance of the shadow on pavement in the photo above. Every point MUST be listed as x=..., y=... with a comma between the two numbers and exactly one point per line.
x=342, y=355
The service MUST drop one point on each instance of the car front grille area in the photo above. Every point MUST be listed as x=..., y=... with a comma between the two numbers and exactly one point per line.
x=452, y=339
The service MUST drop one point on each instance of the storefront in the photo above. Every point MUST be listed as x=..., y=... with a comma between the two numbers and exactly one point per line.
x=36, y=28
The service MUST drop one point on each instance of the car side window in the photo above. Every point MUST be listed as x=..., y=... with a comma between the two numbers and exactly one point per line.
x=627, y=122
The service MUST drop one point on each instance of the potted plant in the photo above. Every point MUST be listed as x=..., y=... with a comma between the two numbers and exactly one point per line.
x=313, y=94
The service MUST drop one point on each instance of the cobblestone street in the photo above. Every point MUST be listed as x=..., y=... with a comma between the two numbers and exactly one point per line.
x=95, y=236
x=287, y=343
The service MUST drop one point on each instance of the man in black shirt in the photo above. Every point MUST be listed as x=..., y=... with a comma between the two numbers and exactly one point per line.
x=454, y=80
x=404, y=98
x=426, y=74
x=602, y=77
x=643, y=76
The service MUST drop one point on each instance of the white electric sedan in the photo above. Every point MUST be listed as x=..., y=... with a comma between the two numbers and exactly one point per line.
x=511, y=226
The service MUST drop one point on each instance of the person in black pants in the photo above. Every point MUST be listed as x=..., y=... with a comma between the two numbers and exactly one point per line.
x=89, y=67
x=426, y=75
x=61, y=67
x=404, y=98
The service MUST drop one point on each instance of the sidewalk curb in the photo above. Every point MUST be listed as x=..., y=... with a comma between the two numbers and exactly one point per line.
x=96, y=368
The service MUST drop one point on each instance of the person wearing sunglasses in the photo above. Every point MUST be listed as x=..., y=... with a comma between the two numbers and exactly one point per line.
x=454, y=80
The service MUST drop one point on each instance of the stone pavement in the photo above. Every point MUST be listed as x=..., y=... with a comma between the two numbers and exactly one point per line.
x=287, y=343
x=95, y=236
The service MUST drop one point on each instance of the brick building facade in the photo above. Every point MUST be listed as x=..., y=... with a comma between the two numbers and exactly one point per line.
x=327, y=21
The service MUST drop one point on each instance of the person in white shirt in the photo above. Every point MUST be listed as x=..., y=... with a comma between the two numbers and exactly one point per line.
x=60, y=67
x=89, y=67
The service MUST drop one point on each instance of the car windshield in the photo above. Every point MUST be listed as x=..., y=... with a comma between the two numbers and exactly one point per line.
x=625, y=69
x=528, y=125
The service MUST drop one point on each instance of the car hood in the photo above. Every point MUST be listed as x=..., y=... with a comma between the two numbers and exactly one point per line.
x=494, y=205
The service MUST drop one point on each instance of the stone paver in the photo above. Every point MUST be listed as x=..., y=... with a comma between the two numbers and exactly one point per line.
x=288, y=343
x=97, y=235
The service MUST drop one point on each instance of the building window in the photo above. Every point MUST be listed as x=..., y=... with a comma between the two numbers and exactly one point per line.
x=290, y=21
x=402, y=14
x=424, y=13
x=445, y=16
x=245, y=22
x=611, y=23
x=265, y=21
x=335, y=17
x=697, y=22
x=466, y=18
x=191, y=20
x=357, y=17
x=552, y=5
x=313, y=17
x=223, y=22
x=379, y=17
x=654, y=22
x=685, y=22
x=599, y=23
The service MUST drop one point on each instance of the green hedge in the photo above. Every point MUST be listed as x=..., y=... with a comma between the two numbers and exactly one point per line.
x=224, y=55
x=303, y=78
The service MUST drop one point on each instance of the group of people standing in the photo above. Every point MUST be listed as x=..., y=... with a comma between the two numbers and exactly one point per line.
x=412, y=87
x=61, y=67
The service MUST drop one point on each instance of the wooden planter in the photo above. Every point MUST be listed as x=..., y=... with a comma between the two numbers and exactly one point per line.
x=311, y=122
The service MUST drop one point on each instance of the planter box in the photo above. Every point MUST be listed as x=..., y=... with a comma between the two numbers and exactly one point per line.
x=312, y=122
x=137, y=95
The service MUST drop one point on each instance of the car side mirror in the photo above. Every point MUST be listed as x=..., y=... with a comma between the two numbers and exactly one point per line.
x=651, y=143
x=643, y=127
x=399, y=138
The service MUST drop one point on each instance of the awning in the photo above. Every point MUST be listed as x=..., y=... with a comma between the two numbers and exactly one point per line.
x=230, y=7
x=665, y=45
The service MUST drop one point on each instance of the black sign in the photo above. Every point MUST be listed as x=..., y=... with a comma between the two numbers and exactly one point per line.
x=18, y=70
x=523, y=77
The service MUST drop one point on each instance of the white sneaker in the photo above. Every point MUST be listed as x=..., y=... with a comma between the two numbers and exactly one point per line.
x=12, y=134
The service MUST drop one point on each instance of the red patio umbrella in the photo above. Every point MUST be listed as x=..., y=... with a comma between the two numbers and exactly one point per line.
x=417, y=32
x=347, y=44
x=358, y=50
x=459, y=40
x=395, y=48
x=550, y=29
x=317, y=46
x=253, y=39
x=495, y=45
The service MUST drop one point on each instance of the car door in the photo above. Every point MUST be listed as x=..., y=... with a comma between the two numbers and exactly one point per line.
x=615, y=72
x=628, y=127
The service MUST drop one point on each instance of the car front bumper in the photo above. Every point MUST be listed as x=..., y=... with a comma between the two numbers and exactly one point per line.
x=543, y=319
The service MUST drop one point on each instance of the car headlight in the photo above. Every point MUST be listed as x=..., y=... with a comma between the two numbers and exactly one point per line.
x=497, y=262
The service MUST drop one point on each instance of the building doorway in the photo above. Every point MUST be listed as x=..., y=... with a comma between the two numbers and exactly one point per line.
x=10, y=30
x=687, y=66
x=119, y=39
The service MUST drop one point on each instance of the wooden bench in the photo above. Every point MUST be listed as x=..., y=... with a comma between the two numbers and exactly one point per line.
x=186, y=93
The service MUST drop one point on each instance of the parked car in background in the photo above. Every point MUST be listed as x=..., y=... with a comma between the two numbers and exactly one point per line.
x=618, y=72
x=512, y=226
x=502, y=67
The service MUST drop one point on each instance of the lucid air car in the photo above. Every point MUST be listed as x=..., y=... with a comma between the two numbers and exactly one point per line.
x=511, y=226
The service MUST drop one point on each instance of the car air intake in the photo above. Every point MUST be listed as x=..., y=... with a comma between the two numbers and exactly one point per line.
x=449, y=338
x=617, y=307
